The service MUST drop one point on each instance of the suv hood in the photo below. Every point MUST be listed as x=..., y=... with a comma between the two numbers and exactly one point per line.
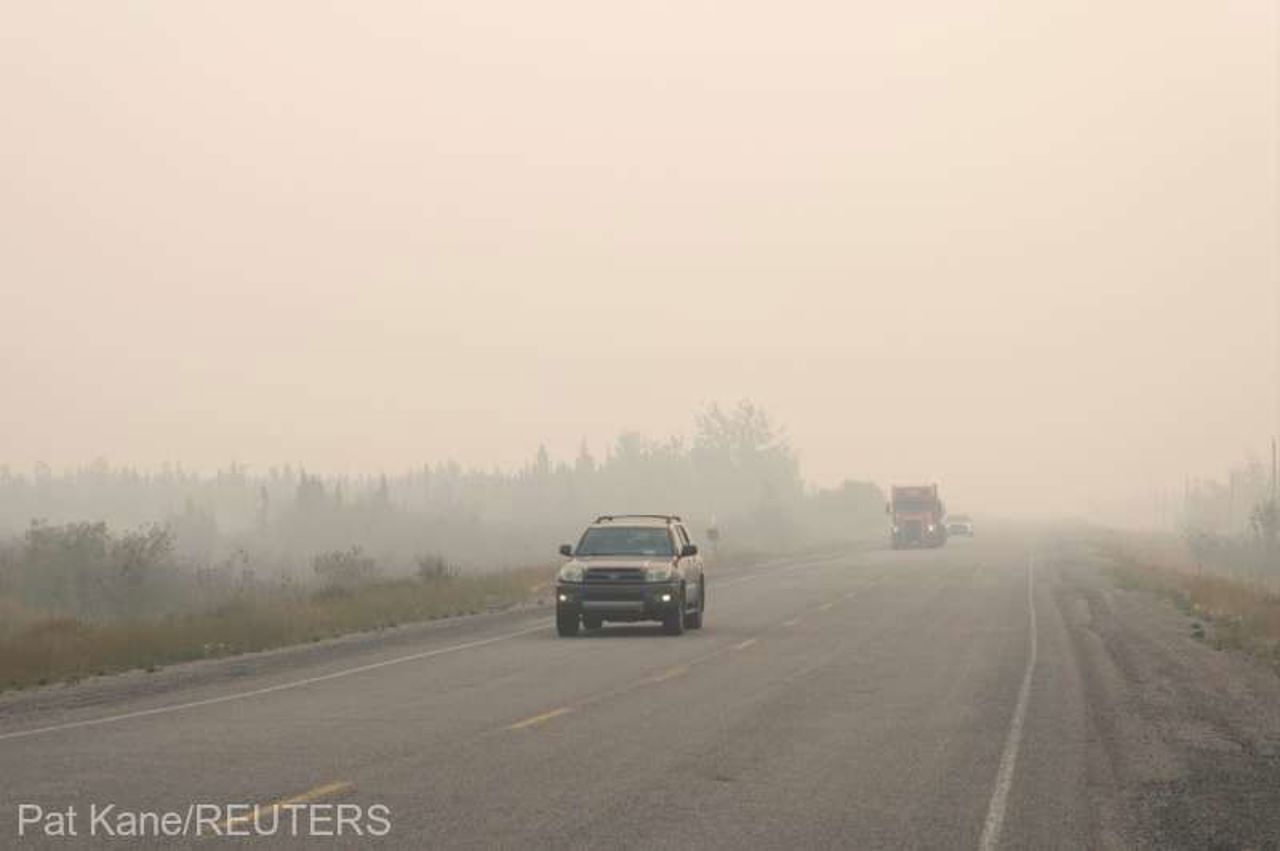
x=641, y=562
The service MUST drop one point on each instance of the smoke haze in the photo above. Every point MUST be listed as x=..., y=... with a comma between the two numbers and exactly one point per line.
x=1027, y=250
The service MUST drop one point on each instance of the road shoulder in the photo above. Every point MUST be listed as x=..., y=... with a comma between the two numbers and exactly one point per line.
x=1187, y=736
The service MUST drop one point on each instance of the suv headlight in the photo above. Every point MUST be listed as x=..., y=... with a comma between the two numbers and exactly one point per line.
x=570, y=573
x=659, y=574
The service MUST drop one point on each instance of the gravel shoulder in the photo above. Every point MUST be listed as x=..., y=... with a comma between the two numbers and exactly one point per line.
x=1185, y=738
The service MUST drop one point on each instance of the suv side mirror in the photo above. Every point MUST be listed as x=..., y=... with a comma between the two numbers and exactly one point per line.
x=688, y=550
x=566, y=550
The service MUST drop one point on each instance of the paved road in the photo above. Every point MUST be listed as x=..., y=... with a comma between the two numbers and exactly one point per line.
x=863, y=700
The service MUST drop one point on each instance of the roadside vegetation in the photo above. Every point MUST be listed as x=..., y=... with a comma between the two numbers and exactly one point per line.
x=43, y=645
x=1223, y=568
x=1237, y=610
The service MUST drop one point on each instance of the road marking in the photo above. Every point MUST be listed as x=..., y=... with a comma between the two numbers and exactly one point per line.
x=825, y=606
x=670, y=674
x=257, y=692
x=307, y=797
x=1008, y=759
x=540, y=719
x=664, y=676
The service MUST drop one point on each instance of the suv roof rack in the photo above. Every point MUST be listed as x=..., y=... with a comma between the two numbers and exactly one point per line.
x=670, y=518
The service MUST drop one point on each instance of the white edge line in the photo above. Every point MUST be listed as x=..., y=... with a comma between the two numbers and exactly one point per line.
x=1008, y=759
x=292, y=684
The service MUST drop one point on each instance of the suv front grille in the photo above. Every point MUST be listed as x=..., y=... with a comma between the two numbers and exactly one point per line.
x=614, y=574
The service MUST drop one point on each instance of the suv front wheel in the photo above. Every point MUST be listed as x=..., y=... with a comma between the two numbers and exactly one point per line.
x=693, y=620
x=673, y=619
x=566, y=624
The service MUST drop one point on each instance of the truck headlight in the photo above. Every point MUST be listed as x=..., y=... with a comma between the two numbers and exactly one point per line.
x=570, y=573
x=658, y=574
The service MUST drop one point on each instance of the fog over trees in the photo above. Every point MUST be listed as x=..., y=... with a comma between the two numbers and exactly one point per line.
x=1233, y=523
x=110, y=541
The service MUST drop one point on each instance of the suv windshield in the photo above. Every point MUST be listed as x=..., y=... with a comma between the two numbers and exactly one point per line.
x=625, y=541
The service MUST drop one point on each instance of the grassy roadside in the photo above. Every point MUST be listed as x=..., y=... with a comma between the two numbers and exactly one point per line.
x=1229, y=613
x=67, y=649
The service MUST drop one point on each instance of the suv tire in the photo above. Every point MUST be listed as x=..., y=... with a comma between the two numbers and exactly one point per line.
x=693, y=620
x=566, y=625
x=673, y=621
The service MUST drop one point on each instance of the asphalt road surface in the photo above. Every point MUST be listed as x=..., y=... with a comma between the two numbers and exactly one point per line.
x=1000, y=692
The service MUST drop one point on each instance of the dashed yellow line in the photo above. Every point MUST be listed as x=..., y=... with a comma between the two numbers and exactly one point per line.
x=540, y=719
x=670, y=674
x=326, y=791
x=664, y=676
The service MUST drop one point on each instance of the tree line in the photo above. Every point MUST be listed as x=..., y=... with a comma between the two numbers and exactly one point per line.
x=737, y=473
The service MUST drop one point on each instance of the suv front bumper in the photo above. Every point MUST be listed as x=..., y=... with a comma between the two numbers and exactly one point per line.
x=621, y=601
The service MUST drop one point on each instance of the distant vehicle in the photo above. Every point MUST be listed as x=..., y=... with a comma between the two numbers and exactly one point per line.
x=631, y=567
x=916, y=512
x=960, y=524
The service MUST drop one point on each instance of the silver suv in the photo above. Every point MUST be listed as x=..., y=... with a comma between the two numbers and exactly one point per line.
x=631, y=567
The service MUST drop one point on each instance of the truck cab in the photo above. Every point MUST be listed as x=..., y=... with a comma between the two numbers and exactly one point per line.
x=917, y=517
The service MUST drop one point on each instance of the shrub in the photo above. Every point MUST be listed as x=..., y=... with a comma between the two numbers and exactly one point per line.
x=82, y=569
x=344, y=568
x=434, y=568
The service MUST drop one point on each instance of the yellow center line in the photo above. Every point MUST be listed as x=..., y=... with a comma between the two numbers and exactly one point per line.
x=670, y=673
x=310, y=795
x=540, y=719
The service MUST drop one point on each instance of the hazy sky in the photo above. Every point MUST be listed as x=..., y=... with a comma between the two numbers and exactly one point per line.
x=1029, y=249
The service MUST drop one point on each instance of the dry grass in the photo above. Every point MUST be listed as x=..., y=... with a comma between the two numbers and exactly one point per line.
x=15, y=618
x=54, y=649
x=1231, y=612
